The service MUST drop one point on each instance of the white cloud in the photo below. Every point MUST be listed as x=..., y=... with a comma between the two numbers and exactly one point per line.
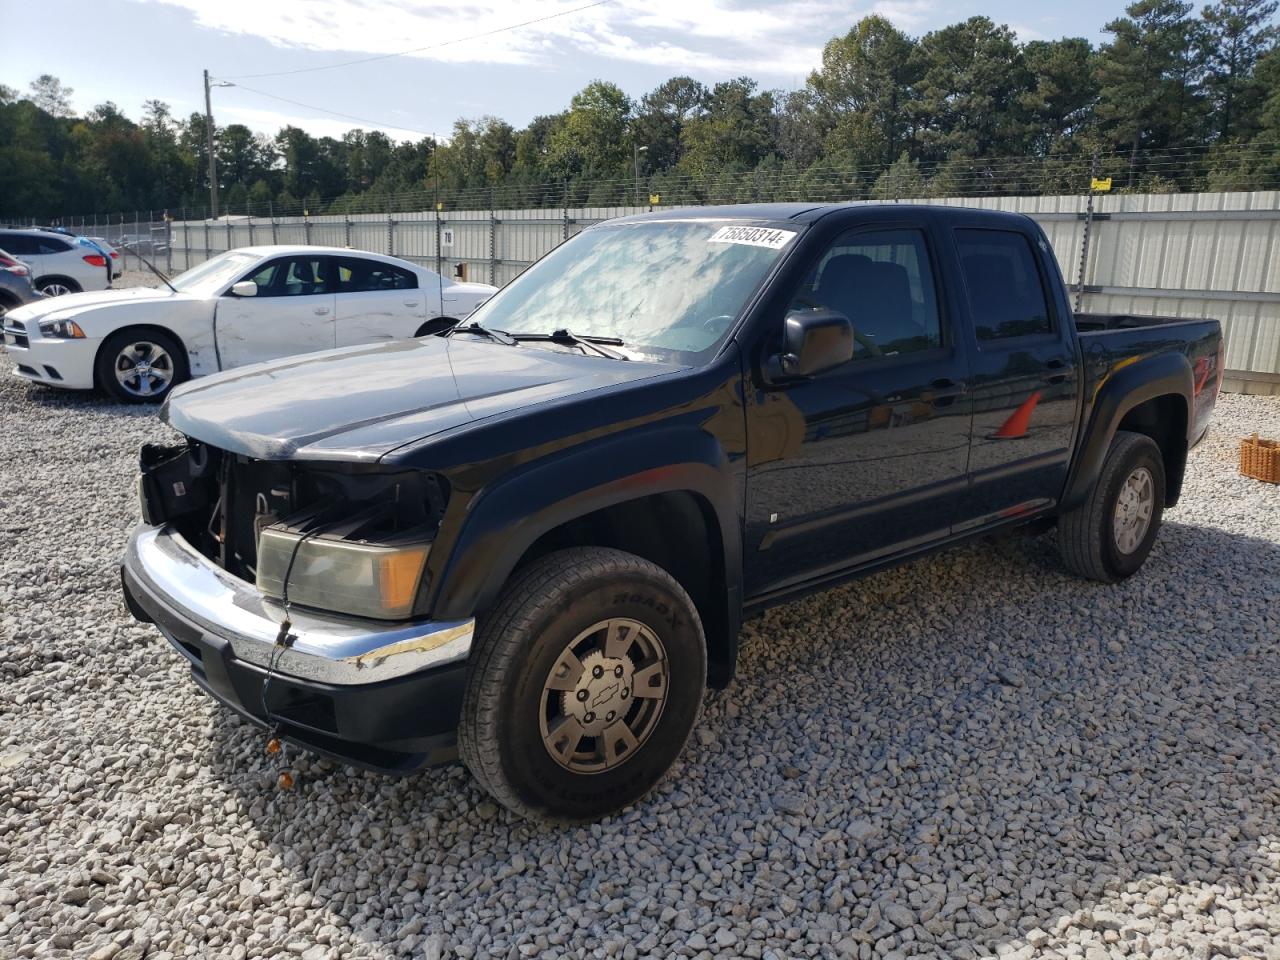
x=273, y=120
x=909, y=16
x=1026, y=34
x=724, y=37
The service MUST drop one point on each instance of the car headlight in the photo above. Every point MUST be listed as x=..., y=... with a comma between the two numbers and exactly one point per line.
x=61, y=329
x=353, y=577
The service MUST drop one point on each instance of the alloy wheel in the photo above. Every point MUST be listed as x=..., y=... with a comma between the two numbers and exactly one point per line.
x=604, y=696
x=1134, y=508
x=144, y=369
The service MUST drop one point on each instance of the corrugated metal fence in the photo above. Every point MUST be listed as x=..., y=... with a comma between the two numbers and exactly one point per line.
x=1190, y=255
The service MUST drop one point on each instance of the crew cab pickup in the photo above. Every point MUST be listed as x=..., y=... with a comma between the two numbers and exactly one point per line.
x=532, y=541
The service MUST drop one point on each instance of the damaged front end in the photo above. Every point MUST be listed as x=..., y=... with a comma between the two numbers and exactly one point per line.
x=297, y=593
x=347, y=538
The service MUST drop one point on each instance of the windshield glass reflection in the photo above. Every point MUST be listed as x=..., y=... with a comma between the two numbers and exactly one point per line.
x=667, y=289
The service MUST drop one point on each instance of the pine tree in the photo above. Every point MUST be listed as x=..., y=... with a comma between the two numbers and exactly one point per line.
x=1146, y=77
x=1237, y=33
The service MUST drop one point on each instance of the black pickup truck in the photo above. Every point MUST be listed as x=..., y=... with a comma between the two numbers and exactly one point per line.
x=532, y=541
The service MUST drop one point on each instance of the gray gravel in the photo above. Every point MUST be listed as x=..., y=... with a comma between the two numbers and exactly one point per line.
x=971, y=756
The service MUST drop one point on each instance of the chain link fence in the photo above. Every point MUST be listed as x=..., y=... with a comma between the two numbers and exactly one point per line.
x=1183, y=254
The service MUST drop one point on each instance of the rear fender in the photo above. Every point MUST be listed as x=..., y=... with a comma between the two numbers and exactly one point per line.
x=1127, y=385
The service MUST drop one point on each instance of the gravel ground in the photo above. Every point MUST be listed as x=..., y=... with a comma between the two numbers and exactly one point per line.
x=974, y=755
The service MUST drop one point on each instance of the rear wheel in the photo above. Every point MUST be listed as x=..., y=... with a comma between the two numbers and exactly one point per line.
x=56, y=286
x=141, y=366
x=584, y=685
x=1109, y=537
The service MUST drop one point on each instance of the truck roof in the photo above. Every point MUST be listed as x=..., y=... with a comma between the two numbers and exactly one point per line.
x=810, y=212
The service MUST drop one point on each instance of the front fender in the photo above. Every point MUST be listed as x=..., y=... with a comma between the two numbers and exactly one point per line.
x=1126, y=385
x=507, y=517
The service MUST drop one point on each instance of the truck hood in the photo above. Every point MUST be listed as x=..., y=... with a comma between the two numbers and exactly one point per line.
x=73, y=304
x=360, y=403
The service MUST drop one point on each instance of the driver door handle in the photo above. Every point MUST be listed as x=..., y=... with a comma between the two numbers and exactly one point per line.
x=321, y=311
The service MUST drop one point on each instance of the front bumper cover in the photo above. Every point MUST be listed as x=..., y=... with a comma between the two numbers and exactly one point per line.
x=381, y=696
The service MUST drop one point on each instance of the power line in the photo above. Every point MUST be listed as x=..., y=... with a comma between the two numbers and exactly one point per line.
x=431, y=46
x=335, y=113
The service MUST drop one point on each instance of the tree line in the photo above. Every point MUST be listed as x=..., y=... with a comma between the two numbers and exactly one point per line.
x=1173, y=99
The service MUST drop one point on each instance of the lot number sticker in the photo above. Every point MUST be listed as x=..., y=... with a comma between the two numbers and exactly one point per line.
x=753, y=236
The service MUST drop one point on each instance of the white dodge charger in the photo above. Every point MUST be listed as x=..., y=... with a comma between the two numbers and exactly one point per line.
x=243, y=306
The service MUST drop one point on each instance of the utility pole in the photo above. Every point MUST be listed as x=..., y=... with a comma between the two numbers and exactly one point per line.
x=637, y=151
x=208, y=131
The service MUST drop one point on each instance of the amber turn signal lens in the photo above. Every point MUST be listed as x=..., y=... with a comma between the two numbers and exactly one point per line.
x=399, y=577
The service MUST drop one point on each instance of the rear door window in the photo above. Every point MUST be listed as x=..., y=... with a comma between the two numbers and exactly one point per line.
x=1003, y=285
x=20, y=245
x=52, y=245
x=357, y=275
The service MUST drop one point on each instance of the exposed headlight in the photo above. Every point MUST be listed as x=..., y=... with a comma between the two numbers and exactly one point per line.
x=61, y=329
x=353, y=577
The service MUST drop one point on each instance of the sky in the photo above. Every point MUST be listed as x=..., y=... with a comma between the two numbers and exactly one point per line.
x=129, y=51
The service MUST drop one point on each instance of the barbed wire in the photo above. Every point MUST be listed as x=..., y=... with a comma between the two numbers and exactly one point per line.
x=1184, y=169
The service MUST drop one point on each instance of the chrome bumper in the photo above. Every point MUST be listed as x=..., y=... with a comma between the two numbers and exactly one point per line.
x=327, y=648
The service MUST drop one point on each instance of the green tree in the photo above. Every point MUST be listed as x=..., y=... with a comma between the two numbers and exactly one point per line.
x=800, y=130
x=1237, y=33
x=862, y=91
x=969, y=98
x=533, y=148
x=593, y=140
x=1146, y=78
x=48, y=93
x=902, y=179
x=1062, y=94
x=735, y=132
x=661, y=117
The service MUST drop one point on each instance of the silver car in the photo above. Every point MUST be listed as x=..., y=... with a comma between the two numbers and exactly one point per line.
x=15, y=284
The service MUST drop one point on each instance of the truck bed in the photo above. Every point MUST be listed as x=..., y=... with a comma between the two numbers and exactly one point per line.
x=1109, y=342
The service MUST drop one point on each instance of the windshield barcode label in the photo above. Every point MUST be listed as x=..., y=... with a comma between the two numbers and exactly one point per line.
x=753, y=236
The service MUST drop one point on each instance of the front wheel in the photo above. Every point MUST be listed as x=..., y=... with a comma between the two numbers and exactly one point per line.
x=141, y=366
x=1108, y=537
x=584, y=685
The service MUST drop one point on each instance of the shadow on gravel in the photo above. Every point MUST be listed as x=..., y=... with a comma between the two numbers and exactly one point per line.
x=975, y=737
x=95, y=401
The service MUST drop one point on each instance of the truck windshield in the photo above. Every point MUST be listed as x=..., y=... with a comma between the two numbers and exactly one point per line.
x=668, y=289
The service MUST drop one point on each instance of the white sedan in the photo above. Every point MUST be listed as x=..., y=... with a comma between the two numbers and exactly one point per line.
x=243, y=306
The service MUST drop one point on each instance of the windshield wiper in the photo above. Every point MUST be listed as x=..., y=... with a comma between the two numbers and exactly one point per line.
x=152, y=267
x=587, y=342
x=474, y=327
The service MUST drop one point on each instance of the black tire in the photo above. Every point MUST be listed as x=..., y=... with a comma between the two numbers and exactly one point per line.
x=437, y=326
x=110, y=356
x=544, y=608
x=7, y=302
x=62, y=285
x=1087, y=536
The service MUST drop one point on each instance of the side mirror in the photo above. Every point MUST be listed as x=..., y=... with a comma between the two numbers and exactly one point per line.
x=812, y=341
x=245, y=288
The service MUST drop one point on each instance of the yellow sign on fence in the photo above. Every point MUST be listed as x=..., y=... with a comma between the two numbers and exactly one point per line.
x=1101, y=184
x=654, y=199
